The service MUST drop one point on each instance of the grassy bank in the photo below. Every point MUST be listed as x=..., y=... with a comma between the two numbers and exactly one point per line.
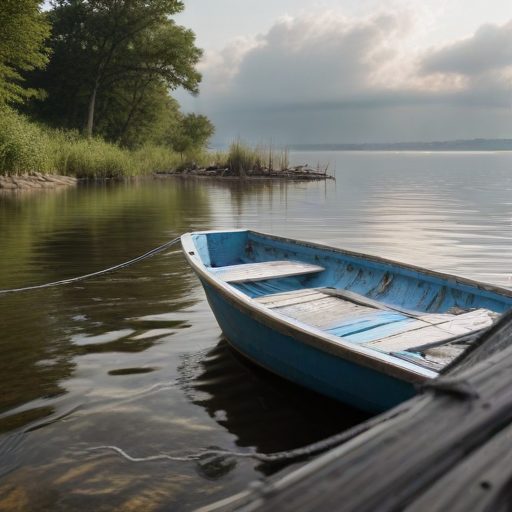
x=26, y=147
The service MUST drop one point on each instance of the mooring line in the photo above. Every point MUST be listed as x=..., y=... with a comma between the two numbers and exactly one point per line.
x=99, y=273
x=145, y=459
x=299, y=453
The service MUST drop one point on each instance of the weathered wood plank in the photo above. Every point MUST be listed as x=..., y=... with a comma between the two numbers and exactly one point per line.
x=365, y=301
x=248, y=272
x=275, y=297
x=460, y=324
x=382, y=333
x=444, y=354
x=315, y=307
x=354, y=317
x=280, y=302
x=324, y=310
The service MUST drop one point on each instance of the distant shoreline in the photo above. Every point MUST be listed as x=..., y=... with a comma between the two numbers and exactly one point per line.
x=492, y=145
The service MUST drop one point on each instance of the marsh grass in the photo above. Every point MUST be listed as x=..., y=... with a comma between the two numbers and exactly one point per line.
x=26, y=147
x=92, y=159
x=242, y=157
x=284, y=158
x=23, y=145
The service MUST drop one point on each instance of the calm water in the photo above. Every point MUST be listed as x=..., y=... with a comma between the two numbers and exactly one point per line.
x=136, y=360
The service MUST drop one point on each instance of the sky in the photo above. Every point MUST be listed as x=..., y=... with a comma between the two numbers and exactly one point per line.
x=299, y=72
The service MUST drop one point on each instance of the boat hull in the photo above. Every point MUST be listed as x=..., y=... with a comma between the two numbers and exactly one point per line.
x=306, y=365
x=340, y=323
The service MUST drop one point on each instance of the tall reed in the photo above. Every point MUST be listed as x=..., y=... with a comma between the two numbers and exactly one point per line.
x=243, y=157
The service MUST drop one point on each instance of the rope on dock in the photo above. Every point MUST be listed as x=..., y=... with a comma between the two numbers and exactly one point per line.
x=99, y=273
x=278, y=457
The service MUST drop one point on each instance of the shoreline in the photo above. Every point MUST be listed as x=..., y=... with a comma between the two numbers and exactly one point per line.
x=298, y=173
x=39, y=181
x=238, y=179
x=34, y=181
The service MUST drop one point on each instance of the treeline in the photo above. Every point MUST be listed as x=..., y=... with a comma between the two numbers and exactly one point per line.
x=96, y=74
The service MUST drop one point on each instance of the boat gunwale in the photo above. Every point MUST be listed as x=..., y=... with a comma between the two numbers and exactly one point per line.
x=414, y=269
x=300, y=331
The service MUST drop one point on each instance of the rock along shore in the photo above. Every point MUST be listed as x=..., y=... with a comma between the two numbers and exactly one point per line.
x=35, y=180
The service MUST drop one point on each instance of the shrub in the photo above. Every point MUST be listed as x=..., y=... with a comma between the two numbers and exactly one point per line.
x=24, y=147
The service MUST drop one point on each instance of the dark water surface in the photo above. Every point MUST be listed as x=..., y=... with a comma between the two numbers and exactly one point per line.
x=135, y=359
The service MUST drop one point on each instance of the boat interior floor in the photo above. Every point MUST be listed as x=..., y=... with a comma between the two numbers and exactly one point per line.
x=388, y=329
x=430, y=340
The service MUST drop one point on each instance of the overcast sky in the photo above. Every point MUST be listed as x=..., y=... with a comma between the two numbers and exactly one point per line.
x=298, y=71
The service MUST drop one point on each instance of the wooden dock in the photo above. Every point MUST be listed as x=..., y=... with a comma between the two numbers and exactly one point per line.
x=449, y=449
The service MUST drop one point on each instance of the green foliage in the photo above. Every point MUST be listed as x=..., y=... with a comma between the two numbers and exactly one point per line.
x=92, y=158
x=243, y=157
x=150, y=159
x=135, y=127
x=189, y=133
x=111, y=61
x=24, y=147
x=23, y=29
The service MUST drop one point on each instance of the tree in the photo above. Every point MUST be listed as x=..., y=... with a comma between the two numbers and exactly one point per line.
x=104, y=48
x=137, y=114
x=191, y=132
x=23, y=30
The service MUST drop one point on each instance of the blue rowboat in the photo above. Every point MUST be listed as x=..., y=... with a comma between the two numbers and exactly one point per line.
x=358, y=328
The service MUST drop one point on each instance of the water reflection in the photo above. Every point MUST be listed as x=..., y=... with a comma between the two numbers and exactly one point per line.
x=257, y=406
x=49, y=237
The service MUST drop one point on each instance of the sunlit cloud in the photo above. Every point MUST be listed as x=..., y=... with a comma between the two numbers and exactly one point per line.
x=324, y=62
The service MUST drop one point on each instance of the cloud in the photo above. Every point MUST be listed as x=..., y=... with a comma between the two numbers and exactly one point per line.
x=326, y=77
x=221, y=66
x=488, y=50
x=480, y=64
x=323, y=56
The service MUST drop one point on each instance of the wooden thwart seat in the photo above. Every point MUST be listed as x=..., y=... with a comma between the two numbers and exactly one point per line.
x=250, y=272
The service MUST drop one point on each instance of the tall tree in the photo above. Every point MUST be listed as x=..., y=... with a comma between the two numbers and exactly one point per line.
x=103, y=46
x=23, y=30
